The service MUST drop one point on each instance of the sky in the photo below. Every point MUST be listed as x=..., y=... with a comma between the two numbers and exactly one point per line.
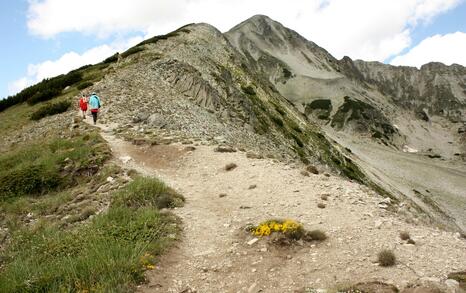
x=45, y=38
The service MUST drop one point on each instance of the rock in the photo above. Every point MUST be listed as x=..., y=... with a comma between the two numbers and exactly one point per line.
x=252, y=155
x=452, y=285
x=252, y=186
x=378, y=224
x=220, y=139
x=125, y=159
x=422, y=289
x=141, y=117
x=138, y=141
x=189, y=148
x=386, y=200
x=383, y=206
x=252, y=241
x=110, y=179
x=157, y=120
x=222, y=195
x=374, y=286
x=312, y=169
x=230, y=166
x=224, y=149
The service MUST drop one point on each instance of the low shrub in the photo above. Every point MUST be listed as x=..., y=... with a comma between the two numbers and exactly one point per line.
x=45, y=95
x=84, y=85
x=317, y=235
x=143, y=191
x=175, y=33
x=277, y=121
x=111, y=59
x=50, y=109
x=404, y=235
x=132, y=51
x=249, y=90
x=287, y=227
x=27, y=178
x=386, y=258
x=290, y=229
x=321, y=205
x=42, y=91
x=50, y=165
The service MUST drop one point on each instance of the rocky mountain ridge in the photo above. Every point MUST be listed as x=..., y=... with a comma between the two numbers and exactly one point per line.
x=406, y=110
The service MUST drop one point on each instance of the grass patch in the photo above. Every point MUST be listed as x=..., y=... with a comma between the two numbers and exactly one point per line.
x=249, y=90
x=386, y=258
x=51, y=109
x=109, y=254
x=148, y=192
x=50, y=165
x=277, y=121
x=84, y=85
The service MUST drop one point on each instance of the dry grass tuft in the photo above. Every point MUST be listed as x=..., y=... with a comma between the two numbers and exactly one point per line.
x=404, y=235
x=324, y=197
x=386, y=258
x=321, y=205
x=316, y=235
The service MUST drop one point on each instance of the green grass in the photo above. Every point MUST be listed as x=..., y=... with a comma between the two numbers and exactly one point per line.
x=50, y=165
x=84, y=85
x=110, y=254
x=148, y=192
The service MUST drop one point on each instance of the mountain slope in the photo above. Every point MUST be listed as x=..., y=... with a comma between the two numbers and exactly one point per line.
x=373, y=109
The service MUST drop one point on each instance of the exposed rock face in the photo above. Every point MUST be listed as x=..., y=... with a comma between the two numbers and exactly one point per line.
x=304, y=73
x=436, y=88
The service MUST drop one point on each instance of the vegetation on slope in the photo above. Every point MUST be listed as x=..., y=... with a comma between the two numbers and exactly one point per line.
x=50, y=165
x=50, y=186
x=111, y=253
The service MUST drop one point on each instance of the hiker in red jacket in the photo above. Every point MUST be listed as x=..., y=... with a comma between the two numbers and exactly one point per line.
x=83, y=105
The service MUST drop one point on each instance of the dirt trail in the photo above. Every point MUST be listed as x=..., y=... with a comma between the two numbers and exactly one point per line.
x=213, y=255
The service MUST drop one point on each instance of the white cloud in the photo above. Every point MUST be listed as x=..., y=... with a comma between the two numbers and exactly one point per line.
x=448, y=49
x=68, y=62
x=366, y=29
x=18, y=85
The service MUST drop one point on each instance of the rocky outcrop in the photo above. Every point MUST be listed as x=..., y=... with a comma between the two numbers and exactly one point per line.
x=435, y=89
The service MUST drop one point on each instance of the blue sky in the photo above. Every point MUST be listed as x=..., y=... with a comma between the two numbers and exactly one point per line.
x=43, y=38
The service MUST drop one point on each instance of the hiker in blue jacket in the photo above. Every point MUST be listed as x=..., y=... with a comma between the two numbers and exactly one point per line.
x=94, y=105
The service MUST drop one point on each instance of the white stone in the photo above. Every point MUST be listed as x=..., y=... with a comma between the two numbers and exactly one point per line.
x=252, y=241
x=453, y=285
x=110, y=179
x=125, y=159
x=378, y=224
